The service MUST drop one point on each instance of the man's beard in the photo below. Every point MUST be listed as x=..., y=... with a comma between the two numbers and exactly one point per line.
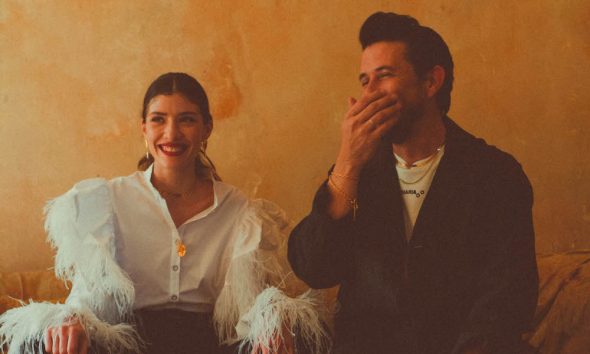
x=400, y=132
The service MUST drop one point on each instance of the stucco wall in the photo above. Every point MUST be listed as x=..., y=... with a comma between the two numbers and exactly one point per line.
x=72, y=76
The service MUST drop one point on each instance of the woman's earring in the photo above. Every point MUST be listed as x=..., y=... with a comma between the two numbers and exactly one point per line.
x=147, y=150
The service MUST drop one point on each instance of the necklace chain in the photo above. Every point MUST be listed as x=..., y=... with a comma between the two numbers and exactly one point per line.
x=184, y=195
x=429, y=160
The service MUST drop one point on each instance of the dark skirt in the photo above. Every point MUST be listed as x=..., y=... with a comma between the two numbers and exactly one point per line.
x=176, y=331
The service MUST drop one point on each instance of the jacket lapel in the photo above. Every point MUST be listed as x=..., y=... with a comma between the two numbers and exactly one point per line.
x=381, y=196
x=445, y=191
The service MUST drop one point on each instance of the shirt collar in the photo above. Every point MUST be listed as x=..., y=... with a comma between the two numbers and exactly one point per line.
x=218, y=193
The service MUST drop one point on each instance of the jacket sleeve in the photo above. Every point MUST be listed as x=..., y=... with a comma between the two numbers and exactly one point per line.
x=253, y=308
x=80, y=226
x=508, y=288
x=319, y=246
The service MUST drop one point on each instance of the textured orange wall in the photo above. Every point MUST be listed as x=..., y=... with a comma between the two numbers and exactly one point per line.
x=72, y=76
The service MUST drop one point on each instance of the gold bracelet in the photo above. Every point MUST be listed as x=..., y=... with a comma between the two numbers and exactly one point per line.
x=352, y=201
x=353, y=178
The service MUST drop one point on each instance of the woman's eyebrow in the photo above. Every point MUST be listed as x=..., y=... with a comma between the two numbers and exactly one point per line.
x=181, y=113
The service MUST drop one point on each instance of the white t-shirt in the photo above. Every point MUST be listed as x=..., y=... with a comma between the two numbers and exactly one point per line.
x=146, y=244
x=414, y=183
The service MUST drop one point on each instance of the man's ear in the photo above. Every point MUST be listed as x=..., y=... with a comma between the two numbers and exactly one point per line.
x=434, y=80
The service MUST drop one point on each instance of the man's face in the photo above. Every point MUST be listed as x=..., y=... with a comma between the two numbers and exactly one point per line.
x=384, y=67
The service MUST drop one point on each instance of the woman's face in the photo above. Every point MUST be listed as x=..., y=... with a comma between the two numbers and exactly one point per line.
x=174, y=130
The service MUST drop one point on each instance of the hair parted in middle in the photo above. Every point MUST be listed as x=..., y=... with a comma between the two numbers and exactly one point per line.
x=191, y=89
x=425, y=48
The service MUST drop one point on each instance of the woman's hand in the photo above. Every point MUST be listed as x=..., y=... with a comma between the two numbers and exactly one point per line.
x=285, y=344
x=69, y=338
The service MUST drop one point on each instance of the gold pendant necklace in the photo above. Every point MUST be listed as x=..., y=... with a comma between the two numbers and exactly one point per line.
x=180, y=248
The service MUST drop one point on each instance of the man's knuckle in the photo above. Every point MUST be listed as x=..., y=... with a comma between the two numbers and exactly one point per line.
x=377, y=116
x=372, y=105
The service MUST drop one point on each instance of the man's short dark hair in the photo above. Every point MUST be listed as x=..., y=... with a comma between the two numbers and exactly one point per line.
x=425, y=47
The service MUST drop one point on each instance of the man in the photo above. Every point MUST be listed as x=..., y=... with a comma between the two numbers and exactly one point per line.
x=427, y=229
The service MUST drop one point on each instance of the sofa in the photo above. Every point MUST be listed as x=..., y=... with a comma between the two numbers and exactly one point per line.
x=562, y=317
x=561, y=324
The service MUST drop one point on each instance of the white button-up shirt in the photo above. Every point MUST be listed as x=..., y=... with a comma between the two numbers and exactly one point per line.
x=146, y=244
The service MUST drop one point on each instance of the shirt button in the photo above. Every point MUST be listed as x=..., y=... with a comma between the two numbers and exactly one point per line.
x=174, y=298
x=175, y=267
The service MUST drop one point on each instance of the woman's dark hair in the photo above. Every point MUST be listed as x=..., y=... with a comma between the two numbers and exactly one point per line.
x=191, y=89
x=425, y=48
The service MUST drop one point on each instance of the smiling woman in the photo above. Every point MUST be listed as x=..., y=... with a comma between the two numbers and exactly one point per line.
x=174, y=103
x=168, y=259
x=175, y=130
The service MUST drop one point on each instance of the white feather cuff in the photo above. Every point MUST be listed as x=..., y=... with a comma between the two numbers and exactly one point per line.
x=249, y=309
x=273, y=311
x=22, y=329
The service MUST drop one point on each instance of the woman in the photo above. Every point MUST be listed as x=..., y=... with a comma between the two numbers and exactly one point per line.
x=168, y=260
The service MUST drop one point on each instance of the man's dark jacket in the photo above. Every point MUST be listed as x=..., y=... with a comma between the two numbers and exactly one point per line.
x=467, y=275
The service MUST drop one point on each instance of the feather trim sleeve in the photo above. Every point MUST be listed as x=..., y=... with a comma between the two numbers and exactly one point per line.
x=252, y=308
x=80, y=226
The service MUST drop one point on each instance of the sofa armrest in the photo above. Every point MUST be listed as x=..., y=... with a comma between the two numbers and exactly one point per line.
x=33, y=285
